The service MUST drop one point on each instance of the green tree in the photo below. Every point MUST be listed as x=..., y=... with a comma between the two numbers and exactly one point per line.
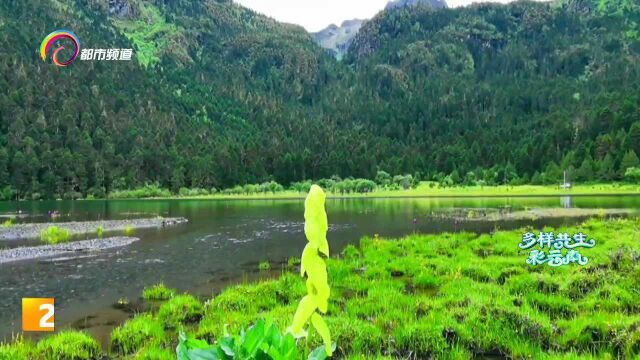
x=629, y=160
x=634, y=137
x=586, y=171
x=606, y=169
x=383, y=178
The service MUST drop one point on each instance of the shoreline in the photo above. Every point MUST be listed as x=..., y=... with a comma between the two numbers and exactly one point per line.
x=32, y=230
x=374, y=197
x=424, y=190
x=73, y=248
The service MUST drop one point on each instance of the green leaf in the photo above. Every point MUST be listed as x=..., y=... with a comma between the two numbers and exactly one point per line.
x=288, y=348
x=253, y=338
x=194, y=349
x=227, y=345
x=320, y=353
x=204, y=354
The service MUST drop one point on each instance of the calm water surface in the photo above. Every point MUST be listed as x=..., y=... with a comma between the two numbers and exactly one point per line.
x=223, y=241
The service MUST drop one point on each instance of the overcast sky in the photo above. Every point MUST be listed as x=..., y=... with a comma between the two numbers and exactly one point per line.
x=315, y=15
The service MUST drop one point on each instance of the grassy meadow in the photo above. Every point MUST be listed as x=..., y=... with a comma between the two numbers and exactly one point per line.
x=444, y=296
x=431, y=189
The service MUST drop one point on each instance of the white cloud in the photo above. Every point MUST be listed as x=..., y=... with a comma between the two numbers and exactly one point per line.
x=315, y=15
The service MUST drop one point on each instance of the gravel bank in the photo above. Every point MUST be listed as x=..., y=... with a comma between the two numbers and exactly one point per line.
x=485, y=214
x=31, y=231
x=76, y=248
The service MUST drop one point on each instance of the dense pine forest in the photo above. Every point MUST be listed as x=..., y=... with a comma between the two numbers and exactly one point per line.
x=220, y=96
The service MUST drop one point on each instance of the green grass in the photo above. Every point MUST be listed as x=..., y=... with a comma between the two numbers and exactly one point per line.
x=150, y=33
x=19, y=349
x=154, y=352
x=55, y=235
x=180, y=310
x=446, y=296
x=158, y=292
x=459, y=295
x=428, y=189
x=69, y=345
x=136, y=333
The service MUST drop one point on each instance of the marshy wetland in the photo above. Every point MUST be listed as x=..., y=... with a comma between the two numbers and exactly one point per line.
x=430, y=277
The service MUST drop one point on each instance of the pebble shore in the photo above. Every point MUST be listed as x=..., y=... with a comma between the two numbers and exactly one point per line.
x=75, y=248
x=33, y=230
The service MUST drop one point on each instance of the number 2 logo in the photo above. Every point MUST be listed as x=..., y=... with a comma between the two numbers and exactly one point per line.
x=38, y=314
x=46, y=321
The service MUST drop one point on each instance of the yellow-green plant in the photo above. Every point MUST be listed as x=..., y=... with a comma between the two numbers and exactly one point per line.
x=314, y=267
x=100, y=231
x=55, y=235
x=129, y=230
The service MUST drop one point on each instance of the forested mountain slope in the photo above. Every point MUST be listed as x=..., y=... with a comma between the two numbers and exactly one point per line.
x=531, y=86
x=219, y=95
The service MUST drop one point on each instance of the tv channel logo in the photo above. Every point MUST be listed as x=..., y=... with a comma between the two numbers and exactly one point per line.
x=54, y=40
x=54, y=46
x=38, y=314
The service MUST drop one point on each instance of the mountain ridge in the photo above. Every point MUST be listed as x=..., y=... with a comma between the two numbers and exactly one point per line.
x=337, y=39
x=436, y=4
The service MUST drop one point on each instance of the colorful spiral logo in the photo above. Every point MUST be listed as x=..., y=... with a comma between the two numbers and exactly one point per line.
x=54, y=38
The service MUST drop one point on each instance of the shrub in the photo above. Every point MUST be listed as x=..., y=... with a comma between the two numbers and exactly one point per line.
x=403, y=181
x=68, y=345
x=383, y=178
x=301, y=187
x=7, y=193
x=364, y=186
x=55, y=235
x=185, y=192
x=146, y=191
x=632, y=174
x=158, y=292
